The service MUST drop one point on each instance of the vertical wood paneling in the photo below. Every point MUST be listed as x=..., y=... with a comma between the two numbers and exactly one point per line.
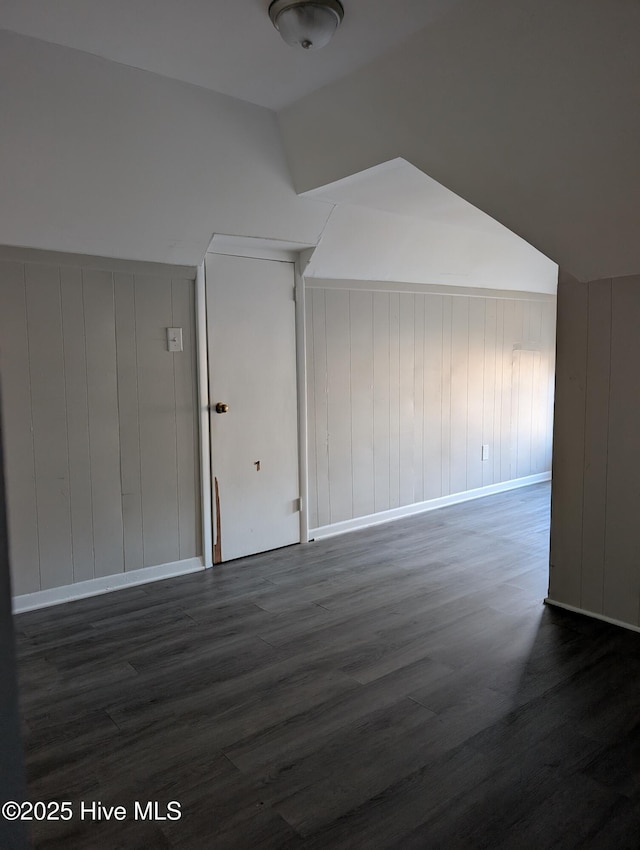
x=104, y=429
x=418, y=399
x=339, y=405
x=394, y=400
x=516, y=378
x=459, y=393
x=549, y=346
x=520, y=318
x=497, y=446
x=321, y=396
x=77, y=405
x=381, y=400
x=51, y=449
x=432, y=412
x=525, y=335
x=361, y=366
x=417, y=383
x=129, y=426
x=596, y=441
x=447, y=341
x=568, y=458
x=534, y=330
x=509, y=337
x=622, y=544
x=184, y=381
x=538, y=411
x=157, y=421
x=475, y=392
x=541, y=373
x=75, y=373
x=520, y=340
x=595, y=535
x=406, y=388
x=20, y=476
x=312, y=454
x=489, y=389
x=525, y=364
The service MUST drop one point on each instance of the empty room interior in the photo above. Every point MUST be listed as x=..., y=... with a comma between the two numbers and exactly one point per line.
x=319, y=392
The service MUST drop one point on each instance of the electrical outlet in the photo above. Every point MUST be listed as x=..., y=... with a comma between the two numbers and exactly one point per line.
x=485, y=452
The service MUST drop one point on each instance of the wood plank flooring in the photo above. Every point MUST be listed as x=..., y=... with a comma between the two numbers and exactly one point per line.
x=400, y=687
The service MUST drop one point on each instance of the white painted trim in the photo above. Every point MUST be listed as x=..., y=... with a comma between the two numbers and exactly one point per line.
x=204, y=427
x=255, y=247
x=96, y=586
x=426, y=288
x=301, y=371
x=422, y=507
x=592, y=614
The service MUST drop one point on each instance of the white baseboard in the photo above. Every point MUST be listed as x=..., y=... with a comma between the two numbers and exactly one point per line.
x=422, y=507
x=96, y=586
x=592, y=614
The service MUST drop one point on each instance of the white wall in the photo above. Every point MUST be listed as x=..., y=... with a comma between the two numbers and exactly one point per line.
x=406, y=385
x=99, y=418
x=367, y=244
x=525, y=108
x=595, y=533
x=99, y=158
x=102, y=159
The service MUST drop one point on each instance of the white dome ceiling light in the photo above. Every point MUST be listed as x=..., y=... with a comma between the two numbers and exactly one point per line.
x=309, y=24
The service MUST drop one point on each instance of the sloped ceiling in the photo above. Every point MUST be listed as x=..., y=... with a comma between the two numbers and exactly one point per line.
x=98, y=158
x=528, y=109
x=393, y=223
x=401, y=188
x=227, y=46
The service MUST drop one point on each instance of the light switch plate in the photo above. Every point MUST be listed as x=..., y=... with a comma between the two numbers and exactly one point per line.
x=174, y=339
x=485, y=451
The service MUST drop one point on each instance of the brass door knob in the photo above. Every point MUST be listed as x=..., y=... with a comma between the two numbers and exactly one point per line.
x=221, y=407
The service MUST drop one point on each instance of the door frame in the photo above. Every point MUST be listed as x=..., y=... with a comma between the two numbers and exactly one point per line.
x=202, y=368
x=262, y=249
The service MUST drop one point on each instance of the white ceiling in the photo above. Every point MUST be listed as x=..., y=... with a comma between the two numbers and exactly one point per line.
x=528, y=109
x=76, y=110
x=228, y=46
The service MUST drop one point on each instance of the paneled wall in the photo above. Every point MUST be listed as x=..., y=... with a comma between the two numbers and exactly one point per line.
x=406, y=386
x=595, y=528
x=99, y=418
x=12, y=778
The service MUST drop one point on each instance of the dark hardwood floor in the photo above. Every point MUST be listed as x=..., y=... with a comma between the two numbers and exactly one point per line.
x=401, y=687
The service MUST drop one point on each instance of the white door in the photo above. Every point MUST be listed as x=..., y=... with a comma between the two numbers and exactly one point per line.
x=252, y=367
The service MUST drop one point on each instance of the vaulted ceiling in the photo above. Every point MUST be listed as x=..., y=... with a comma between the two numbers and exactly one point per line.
x=228, y=46
x=527, y=109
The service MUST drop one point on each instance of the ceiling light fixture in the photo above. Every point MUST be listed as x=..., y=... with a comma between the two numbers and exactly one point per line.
x=307, y=23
